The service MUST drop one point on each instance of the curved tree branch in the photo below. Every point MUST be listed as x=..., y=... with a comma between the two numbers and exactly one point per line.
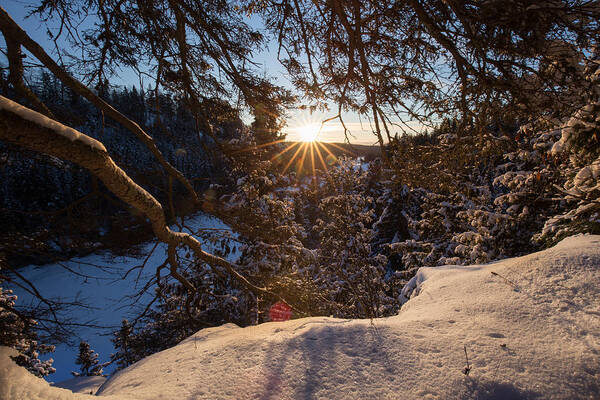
x=15, y=76
x=13, y=31
x=33, y=131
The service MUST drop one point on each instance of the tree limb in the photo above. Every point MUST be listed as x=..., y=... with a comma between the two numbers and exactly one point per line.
x=13, y=31
x=31, y=130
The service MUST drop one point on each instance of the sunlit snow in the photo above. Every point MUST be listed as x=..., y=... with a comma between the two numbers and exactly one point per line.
x=530, y=326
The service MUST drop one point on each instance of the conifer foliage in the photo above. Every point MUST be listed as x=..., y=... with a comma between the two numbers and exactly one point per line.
x=17, y=330
x=43, y=200
x=123, y=345
x=580, y=142
x=88, y=360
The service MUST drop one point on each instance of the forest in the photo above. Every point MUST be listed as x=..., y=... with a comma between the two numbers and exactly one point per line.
x=506, y=161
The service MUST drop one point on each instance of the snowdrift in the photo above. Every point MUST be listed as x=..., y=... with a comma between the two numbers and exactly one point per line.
x=82, y=384
x=530, y=326
x=16, y=383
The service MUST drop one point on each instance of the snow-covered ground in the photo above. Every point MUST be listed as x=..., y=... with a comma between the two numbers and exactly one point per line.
x=105, y=293
x=530, y=327
x=82, y=384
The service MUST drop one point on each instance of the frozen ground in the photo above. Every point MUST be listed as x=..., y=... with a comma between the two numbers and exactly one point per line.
x=82, y=384
x=530, y=326
x=16, y=383
x=104, y=293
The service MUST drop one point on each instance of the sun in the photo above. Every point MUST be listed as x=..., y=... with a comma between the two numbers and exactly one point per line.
x=308, y=133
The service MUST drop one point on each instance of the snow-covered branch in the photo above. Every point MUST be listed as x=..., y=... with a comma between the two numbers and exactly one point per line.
x=34, y=131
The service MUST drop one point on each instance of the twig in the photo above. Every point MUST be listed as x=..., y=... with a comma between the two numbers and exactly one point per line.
x=508, y=281
x=467, y=369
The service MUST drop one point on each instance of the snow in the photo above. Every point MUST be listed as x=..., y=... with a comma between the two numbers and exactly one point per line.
x=415, y=284
x=104, y=292
x=43, y=121
x=82, y=384
x=587, y=173
x=16, y=383
x=530, y=326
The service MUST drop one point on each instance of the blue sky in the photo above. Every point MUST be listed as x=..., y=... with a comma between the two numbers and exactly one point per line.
x=298, y=121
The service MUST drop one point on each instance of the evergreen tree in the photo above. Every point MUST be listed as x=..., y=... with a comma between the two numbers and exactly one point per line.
x=122, y=342
x=88, y=359
x=580, y=140
x=18, y=331
x=349, y=274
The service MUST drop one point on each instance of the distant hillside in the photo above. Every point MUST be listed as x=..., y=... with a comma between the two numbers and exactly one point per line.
x=369, y=152
x=329, y=151
x=351, y=150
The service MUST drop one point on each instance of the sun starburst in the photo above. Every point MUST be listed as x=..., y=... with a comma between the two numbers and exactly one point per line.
x=298, y=152
x=307, y=150
x=309, y=133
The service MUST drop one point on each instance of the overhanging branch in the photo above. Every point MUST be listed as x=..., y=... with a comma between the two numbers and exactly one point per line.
x=13, y=32
x=31, y=130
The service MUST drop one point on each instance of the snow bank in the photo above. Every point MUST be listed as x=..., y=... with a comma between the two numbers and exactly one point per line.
x=82, y=384
x=530, y=325
x=16, y=383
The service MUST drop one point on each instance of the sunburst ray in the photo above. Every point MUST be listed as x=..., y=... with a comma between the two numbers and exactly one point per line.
x=294, y=157
x=282, y=152
x=312, y=159
x=327, y=150
x=321, y=158
x=300, y=168
x=343, y=149
x=259, y=146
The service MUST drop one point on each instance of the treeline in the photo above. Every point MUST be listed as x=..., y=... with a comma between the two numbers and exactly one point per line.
x=54, y=208
x=345, y=243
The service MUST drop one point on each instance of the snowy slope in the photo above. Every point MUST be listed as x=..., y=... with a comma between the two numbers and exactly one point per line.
x=82, y=384
x=104, y=293
x=16, y=383
x=531, y=327
x=531, y=330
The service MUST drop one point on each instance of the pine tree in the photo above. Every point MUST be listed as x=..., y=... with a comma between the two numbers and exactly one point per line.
x=88, y=359
x=122, y=341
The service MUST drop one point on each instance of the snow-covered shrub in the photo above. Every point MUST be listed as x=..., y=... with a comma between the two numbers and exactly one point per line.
x=580, y=141
x=479, y=198
x=29, y=357
x=349, y=274
x=271, y=238
x=338, y=211
x=18, y=331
